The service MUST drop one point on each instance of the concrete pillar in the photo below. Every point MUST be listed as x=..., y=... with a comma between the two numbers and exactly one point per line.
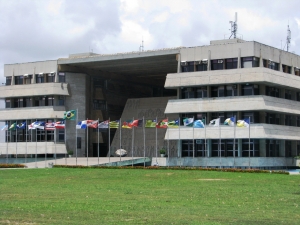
x=280, y=63
x=239, y=115
x=240, y=148
x=261, y=64
x=13, y=79
x=179, y=147
x=239, y=59
x=33, y=77
x=282, y=148
x=208, y=143
x=262, y=147
x=179, y=93
x=208, y=91
x=292, y=65
x=208, y=60
x=179, y=63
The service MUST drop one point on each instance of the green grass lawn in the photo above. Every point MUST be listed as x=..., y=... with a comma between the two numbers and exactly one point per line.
x=137, y=196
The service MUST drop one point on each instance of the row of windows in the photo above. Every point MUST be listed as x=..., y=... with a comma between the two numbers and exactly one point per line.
x=231, y=90
x=226, y=148
x=39, y=78
x=269, y=118
x=232, y=63
x=34, y=101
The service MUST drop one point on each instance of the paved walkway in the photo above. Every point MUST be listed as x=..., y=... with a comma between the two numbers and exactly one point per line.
x=83, y=161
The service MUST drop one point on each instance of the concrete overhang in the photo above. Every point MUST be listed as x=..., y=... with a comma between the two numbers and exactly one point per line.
x=27, y=113
x=233, y=76
x=153, y=64
x=232, y=104
x=41, y=89
x=257, y=131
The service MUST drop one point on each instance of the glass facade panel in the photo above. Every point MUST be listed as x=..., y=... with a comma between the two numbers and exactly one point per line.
x=217, y=64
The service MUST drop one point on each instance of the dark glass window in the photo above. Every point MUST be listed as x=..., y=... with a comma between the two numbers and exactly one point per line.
x=270, y=64
x=231, y=63
x=250, y=89
x=187, y=66
x=50, y=101
x=99, y=104
x=201, y=65
x=272, y=91
x=288, y=94
x=27, y=79
x=18, y=103
x=254, y=148
x=288, y=120
x=28, y=102
x=286, y=69
x=78, y=142
x=8, y=81
x=272, y=148
x=50, y=77
x=217, y=64
x=288, y=149
x=298, y=121
x=297, y=71
x=201, y=92
x=61, y=135
x=7, y=103
x=188, y=93
x=61, y=100
x=61, y=77
x=40, y=101
x=223, y=91
x=18, y=80
x=39, y=78
x=254, y=116
x=249, y=62
x=272, y=118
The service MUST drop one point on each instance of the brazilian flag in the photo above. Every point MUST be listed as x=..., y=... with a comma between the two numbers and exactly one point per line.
x=70, y=115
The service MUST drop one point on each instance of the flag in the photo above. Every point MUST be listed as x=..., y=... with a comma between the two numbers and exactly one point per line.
x=81, y=124
x=243, y=123
x=162, y=124
x=198, y=124
x=4, y=127
x=60, y=124
x=136, y=123
x=12, y=126
x=173, y=124
x=114, y=124
x=30, y=126
x=92, y=123
x=229, y=121
x=38, y=124
x=103, y=125
x=21, y=125
x=188, y=122
x=50, y=126
x=215, y=122
x=70, y=115
x=126, y=124
x=150, y=123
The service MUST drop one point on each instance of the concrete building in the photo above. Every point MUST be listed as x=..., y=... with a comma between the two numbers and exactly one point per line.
x=228, y=78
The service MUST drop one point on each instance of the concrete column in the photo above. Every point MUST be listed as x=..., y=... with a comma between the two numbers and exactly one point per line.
x=179, y=147
x=239, y=90
x=261, y=64
x=33, y=77
x=262, y=147
x=179, y=93
x=240, y=147
x=282, y=148
x=208, y=91
x=239, y=59
x=12, y=79
x=280, y=63
x=178, y=63
x=292, y=65
x=208, y=143
x=208, y=60
x=239, y=115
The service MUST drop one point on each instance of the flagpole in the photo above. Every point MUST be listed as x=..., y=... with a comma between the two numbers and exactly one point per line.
x=120, y=127
x=98, y=141
x=234, y=124
x=26, y=140
x=193, y=142
x=179, y=153
x=220, y=142
x=132, y=142
x=76, y=134
x=16, y=140
x=46, y=148
x=35, y=147
x=205, y=141
x=109, y=140
x=156, y=140
x=249, y=142
x=87, y=146
x=144, y=142
x=66, y=141
x=6, y=134
x=169, y=142
x=55, y=144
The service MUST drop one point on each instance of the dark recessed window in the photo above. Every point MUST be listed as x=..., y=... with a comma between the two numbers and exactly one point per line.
x=187, y=66
x=19, y=80
x=231, y=63
x=217, y=64
x=249, y=62
x=61, y=77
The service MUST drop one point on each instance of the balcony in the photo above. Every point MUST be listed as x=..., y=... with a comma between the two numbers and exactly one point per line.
x=41, y=112
x=11, y=91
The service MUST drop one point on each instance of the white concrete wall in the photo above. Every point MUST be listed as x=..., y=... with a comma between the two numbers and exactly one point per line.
x=32, y=148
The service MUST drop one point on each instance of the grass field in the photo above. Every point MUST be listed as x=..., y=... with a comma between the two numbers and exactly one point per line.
x=137, y=196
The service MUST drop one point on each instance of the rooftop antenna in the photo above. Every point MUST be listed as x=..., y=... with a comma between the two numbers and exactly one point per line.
x=233, y=27
x=288, y=39
x=142, y=46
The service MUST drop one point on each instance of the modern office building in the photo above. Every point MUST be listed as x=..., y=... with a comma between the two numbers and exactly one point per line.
x=228, y=78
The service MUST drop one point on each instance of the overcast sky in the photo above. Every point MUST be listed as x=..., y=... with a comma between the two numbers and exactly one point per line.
x=48, y=29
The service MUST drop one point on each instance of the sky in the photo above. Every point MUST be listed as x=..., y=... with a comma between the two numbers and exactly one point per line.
x=36, y=30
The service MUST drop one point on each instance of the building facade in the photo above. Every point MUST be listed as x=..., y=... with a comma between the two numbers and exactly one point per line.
x=226, y=79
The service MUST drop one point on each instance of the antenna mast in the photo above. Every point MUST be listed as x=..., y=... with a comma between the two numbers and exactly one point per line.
x=233, y=27
x=142, y=46
x=288, y=39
